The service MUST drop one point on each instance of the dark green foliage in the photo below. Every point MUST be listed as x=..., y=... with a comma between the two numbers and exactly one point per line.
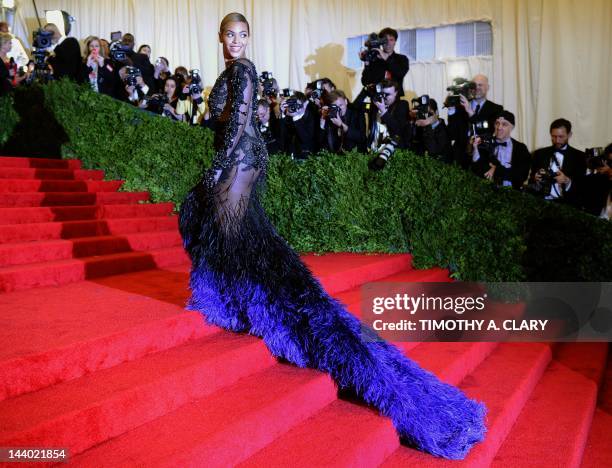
x=149, y=152
x=441, y=214
x=8, y=118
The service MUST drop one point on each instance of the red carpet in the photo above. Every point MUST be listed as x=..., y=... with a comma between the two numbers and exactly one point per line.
x=100, y=356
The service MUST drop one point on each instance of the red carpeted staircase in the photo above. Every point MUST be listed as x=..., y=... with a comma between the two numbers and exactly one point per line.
x=100, y=356
x=60, y=224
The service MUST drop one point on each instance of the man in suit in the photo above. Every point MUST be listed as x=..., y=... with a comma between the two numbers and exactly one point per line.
x=432, y=134
x=268, y=126
x=506, y=161
x=66, y=59
x=559, y=161
x=389, y=118
x=471, y=112
x=299, y=128
x=388, y=64
x=342, y=125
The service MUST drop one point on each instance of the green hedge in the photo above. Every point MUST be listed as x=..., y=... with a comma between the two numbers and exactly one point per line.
x=8, y=118
x=443, y=215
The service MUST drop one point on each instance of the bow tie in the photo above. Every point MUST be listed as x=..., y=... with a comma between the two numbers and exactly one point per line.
x=501, y=143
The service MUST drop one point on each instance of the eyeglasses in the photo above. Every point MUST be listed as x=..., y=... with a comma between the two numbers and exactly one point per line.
x=387, y=94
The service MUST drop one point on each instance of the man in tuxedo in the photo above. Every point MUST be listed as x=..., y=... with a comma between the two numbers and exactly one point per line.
x=299, y=128
x=468, y=113
x=66, y=59
x=505, y=161
x=342, y=125
x=559, y=162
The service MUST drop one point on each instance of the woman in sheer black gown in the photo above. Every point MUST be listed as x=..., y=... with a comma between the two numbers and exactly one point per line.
x=246, y=278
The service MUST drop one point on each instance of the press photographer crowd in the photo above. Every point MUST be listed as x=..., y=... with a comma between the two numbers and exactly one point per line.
x=477, y=136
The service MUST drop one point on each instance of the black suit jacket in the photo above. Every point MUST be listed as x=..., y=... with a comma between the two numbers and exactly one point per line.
x=355, y=137
x=518, y=171
x=67, y=60
x=5, y=79
x=574, y=161
x=396, y=121
x=396, y=64
x=459, y=122
x=300, y=137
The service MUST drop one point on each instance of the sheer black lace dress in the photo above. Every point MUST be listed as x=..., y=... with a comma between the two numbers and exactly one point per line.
x=247, y=279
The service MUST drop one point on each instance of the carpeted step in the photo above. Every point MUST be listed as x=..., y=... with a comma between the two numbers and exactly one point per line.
x=95, y=227
x=341, y=434
x=59, y=272
x=588, y=359
x=554, y=424
x=598, y=450
x=27, y=215
x=51, y=250
x=53, y=186
x=82, y=325
x=87, y=411
x=504, y=382
x=50, y=174
x=8, y=200
x=8, y=161
x=363, y=268
x=59, y=334
x=324, y=440
x=223, y=429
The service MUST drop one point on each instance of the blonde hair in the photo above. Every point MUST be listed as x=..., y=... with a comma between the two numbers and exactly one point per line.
x=89, y=40
x=5, y=38
x=233, y=17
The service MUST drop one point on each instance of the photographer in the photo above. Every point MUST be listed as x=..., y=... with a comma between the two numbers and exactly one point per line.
x=161, y=72
x=165, y=103
x=66, y=58
x=432, y=134
x=97, y=69
x=268, y=127
x=342, y=125
x=134, y=88
x=191, y=105
x=6, y=84
x=500, y=158
x=466, y=106
x=591, y=192
x=382, y=63
x=299, y=126
x=140, y=61
x=389, y=116
x=554, y=168
x=268, y=90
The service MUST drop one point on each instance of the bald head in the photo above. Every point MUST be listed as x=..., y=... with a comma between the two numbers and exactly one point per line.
x=482, y=86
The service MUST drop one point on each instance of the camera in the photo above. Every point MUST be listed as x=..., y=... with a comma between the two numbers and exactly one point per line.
x=333, y=111
x=317, y=92
x=195, y=82
x=384, y=152
x=421, y=105
x=42, y=39
x=460, y=87
x=373, y=43
x=131, y=77
x=596, y=158
x=267, y=82
x=157, y=102
x=118, y=51
x=291, y=100
x=375, y=91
